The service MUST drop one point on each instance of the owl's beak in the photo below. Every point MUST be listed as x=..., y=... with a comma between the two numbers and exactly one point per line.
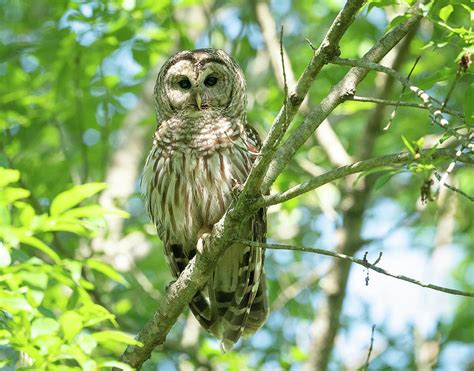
x=198, y=100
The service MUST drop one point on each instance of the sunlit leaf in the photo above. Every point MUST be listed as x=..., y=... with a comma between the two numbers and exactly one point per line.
x=40, y=245
x=107, y=270
x=71, y=324
x=87, y=343
x=115, y=336
x=70, y=198
x=445, y=12
x=11, y=194
x=5, y=258
x=43, y=326
x=13, y=302
x=116, y=364
x=8, y=176
x=408, y=145
x=92, y=211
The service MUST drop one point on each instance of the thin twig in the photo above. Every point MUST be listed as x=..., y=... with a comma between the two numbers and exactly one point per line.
x=451, y=89
x=387, y=102
x=366, y=366
x=394, y=112
x=427, y=100
x=364, y=263
x=454, y=189
x=285, y=87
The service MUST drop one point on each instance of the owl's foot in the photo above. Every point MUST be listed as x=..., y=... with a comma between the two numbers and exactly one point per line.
x=236, y=188
x=203, y=236
x=168, y=286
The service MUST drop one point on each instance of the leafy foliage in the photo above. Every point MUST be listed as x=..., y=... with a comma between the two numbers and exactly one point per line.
x=47, y=315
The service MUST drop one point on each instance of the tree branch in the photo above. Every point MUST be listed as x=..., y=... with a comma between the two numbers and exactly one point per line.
x=357, y=167
x=364, y=263
x=336, y=96
x=326, y=136
x=427, y=101
x=387, y=102
x=352, y=205
x=328, y=50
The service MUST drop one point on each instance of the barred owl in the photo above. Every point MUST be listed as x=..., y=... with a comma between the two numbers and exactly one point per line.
x=202, y=147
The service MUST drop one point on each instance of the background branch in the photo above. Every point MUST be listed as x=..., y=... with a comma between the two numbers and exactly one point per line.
x=352, y=207
x=358, y=167
x=363, y=262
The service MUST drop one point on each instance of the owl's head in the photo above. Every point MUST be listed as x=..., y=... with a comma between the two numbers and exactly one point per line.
x=193, y=82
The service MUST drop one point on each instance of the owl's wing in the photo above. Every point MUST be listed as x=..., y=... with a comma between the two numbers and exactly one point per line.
x=177, y=261
x=238, y=286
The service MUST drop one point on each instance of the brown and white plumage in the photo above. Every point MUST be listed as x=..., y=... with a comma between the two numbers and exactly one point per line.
x=202, y=148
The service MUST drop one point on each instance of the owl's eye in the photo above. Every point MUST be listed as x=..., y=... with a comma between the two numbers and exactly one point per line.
x=210, y=81
x=184, y=83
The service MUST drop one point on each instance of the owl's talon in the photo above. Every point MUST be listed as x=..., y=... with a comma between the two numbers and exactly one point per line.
x=203, y=236
x=201, y=244
x=236, y=188
x=168, y=286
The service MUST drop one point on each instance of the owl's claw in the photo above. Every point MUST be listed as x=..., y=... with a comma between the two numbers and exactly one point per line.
x=168, y=286
x=203, y=236
x=236, y=188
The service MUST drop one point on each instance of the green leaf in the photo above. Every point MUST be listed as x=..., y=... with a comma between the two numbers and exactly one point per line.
x=27, y=213
x=445, y=12
x=8, y=176
x=372, y=171
x=70, y=198
x=92, y=211
x=106, y=269
x=71, y=324
x=383, y=179
x=13, y=302
x=468, y=105
x=380, y=4
x=115, y=336
x=94, y=313
x=12, y=194
x=116, y=364
x=399, y=20
x=408, y=145
x=40, y=245
x=43, y=326
x=87, y=343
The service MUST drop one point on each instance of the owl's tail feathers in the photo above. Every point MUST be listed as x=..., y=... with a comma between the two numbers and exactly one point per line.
x=226, y=345
x=256, y=317
x=259, y=308
x=199, y=305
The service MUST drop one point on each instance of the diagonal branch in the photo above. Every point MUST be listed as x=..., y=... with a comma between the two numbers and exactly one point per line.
x=363, y=262
x=328, y=50
x=336, y=96
x=326, y=136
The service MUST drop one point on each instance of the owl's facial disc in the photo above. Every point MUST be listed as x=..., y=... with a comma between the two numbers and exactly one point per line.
x=196, y=86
